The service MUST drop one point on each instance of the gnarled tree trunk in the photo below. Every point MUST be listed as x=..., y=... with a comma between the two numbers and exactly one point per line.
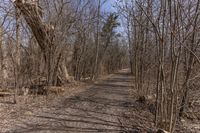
x=44, y=35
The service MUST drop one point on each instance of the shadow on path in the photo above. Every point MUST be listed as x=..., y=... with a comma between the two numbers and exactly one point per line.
x=98, y=109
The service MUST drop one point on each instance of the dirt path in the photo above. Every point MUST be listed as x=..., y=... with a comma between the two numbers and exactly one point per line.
x=98, y=109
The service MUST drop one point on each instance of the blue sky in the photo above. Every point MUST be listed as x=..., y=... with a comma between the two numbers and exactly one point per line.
x=109, y=6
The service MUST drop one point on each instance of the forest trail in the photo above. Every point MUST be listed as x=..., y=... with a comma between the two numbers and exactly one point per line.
x=97, y=109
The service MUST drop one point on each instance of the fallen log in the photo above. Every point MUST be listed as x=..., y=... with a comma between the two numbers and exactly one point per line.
x=6, y=94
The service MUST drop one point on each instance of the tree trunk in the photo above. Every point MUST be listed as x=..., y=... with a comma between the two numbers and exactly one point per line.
x=17, y=54
x=191, y=60
x=95, y=69
x=3, y=64
x=64, y=71
x=44, y=35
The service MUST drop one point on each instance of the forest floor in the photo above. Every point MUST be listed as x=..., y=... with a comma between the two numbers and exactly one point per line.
x=105, y=106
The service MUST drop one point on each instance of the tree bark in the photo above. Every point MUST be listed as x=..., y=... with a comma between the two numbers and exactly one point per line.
x=4, y=73
x=44, y=35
